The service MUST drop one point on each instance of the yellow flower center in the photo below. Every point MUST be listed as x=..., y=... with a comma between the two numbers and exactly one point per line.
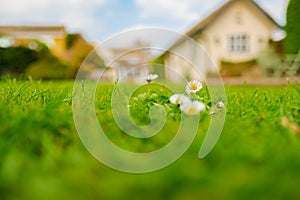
x=193, y=87
x=192, y=110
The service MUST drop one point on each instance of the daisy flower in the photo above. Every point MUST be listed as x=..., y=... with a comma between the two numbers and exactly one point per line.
x=216, y=108
x=151, y=77
x=192, y=107
x=220, y=105
x=179, y=99
x=193, y=86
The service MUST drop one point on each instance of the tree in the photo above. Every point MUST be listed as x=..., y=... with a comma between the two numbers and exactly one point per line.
x=16, y=59
x=34, y=59
x=292, y=41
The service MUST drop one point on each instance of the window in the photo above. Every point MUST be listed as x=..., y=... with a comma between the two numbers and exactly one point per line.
x=239, y=43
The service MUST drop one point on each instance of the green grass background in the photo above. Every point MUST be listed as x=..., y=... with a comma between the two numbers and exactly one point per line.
x=42, y=157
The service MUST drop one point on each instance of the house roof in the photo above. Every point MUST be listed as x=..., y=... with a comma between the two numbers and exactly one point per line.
x=32, y=28
x=213, y=16
x=202, y=25
x=19, y=30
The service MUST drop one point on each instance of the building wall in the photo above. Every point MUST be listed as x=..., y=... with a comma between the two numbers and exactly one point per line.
x=187, y=61
x=53, y=37
x=59, y=47
x=129, y=62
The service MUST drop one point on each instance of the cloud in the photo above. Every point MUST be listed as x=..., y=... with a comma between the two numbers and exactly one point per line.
x=78, y=15
x=186, y=11
x=191, y=10
x=146, y=34
x=96, y=18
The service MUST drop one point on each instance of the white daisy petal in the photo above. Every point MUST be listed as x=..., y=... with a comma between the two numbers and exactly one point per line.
x=154, y=76
x=220, y=104
x=192, y=108
x=151, y=77
x=179, y=99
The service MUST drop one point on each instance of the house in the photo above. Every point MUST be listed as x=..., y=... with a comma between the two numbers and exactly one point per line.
x=234, y=33
x=53, y=36
x=71, y=48
x=127, y=63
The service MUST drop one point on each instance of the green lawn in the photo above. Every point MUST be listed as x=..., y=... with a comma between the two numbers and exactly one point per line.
x=42, y=157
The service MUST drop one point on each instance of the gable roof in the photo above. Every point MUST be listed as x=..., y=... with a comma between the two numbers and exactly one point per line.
x=202, y=25
x=213, y=16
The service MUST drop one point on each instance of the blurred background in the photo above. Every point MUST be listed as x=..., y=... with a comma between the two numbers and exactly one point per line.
x=42, y=157
x=49, y=39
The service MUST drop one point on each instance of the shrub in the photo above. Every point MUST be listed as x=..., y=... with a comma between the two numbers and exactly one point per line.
x=292, y=41
x=16, y=59
x=270, y=62
x=274, y=65
x=48, y=67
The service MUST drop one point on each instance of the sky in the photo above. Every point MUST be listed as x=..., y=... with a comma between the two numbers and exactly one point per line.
x=98, y=20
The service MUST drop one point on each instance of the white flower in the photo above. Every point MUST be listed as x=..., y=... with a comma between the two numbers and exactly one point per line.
x=192, y=107
x=216, y=108
x=179, y=99
x=193, y=86
x=220, y=105
x=151, y=77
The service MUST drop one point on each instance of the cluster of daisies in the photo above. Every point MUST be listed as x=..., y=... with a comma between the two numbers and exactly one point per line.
x=186, y=102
